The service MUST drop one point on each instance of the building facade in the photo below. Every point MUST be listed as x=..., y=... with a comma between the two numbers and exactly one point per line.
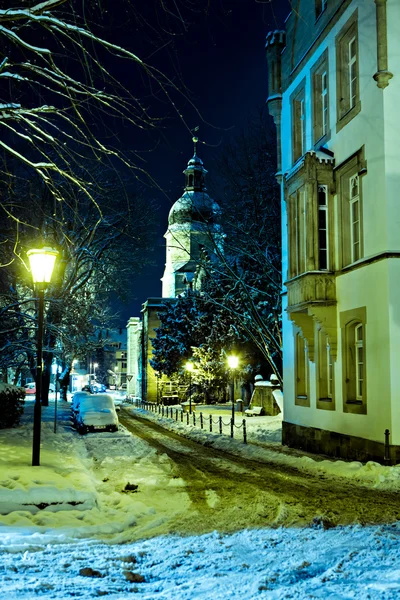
x=334, y=85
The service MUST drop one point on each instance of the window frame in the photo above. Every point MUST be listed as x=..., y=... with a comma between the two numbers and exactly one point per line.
x=299, y=121
x=355, y=166
x=346, y=107
x=302, y=371
x=354, y=378
x=325, y=372
x=320, y=96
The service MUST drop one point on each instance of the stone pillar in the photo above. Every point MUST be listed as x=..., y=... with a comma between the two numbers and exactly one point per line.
x=382, y=75
x=134, y=333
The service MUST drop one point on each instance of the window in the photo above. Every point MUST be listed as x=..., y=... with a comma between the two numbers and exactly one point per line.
x=359, y=361
x=354, y=360
x=322, y=227
x=298, y=229
x=320, y=82
x=302, y=375
x=320, y=6
x=354, y=207
x=298, y=123
x=350, y=222
x=325, y=372
x=347, y=68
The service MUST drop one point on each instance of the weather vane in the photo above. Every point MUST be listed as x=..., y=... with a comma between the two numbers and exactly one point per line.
x=195, y=139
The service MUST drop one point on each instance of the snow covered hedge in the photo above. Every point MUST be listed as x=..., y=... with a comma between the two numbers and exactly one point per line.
x=11, y=405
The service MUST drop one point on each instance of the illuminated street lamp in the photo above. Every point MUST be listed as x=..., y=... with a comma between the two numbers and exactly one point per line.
x=42, y=264
x=190, y=368
x=233, y=363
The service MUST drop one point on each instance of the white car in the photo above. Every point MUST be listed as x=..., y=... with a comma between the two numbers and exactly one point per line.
x=96, y=412
x=76, y=399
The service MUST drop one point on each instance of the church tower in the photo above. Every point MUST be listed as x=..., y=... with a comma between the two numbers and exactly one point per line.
x=192, y=227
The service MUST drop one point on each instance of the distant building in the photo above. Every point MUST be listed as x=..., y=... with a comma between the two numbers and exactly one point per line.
x=334, y=90
x=193, y=228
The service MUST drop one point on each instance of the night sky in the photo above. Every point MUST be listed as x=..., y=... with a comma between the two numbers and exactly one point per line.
x=221, y=60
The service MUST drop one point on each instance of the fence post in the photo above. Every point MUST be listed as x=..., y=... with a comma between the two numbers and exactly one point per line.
x=187, y=418
x=176, y=414
x=232, y=428
x=194, y=419
x=182, y=415
x=210, y=422
x=220, y=425
x=244, y=432
x=201, y=420
x=162, y=410
x=387, y=434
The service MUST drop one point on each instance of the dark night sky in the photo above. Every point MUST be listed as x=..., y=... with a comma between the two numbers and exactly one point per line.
x=222, y=62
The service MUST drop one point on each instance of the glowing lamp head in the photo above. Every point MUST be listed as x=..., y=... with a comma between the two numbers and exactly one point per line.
x=233, y=362
x=189, y=367
x=42, y=264
x=96, y=365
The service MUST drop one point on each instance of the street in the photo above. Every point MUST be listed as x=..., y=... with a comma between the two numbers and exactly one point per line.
x=230, y=493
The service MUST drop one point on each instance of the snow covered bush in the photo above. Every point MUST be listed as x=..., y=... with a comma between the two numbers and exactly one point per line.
x=11, y=405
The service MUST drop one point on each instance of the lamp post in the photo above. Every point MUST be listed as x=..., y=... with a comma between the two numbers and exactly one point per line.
x=189, y=368
x=42, y=263
x=233, y=363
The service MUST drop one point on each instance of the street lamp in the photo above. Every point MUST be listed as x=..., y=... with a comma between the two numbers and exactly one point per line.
x=233, y=362
x=190, y=368
x=42, y=263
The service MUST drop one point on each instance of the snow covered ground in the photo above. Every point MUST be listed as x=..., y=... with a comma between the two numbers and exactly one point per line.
x=74, y=527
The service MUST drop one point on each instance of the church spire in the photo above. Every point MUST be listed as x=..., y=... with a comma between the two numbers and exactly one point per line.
x=195, y=172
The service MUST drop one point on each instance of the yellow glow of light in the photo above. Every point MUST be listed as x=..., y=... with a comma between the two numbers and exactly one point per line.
x=42, y=264
x=189, y=366
x=233, y=362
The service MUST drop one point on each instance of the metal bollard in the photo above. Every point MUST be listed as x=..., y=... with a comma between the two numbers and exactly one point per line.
x=187, y=418
x=182, y=415
x=194, y=419
x=220, y=425
x=232, y=423
x=210, y=422
x=201, y=420
x=244, y=432
x=387, y=453
x=176, y=414
x=162, y=410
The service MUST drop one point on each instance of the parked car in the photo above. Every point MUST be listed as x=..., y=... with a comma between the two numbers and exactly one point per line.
x=30, y=388
x=96, y=387
x=96, y=412
x=76, y=400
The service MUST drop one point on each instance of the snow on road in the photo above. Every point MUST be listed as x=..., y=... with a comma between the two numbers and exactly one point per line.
x=70, y=545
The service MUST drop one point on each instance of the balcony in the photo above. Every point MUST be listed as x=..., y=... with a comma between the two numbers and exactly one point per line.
x=311, y=288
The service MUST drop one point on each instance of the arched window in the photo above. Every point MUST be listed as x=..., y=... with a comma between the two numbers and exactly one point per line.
x=190, y=180
x=354, y=362
x=325, y=371
x=302, y=396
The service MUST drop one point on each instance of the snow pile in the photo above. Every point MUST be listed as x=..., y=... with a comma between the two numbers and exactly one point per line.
x=80, y=488
x=372, y=473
